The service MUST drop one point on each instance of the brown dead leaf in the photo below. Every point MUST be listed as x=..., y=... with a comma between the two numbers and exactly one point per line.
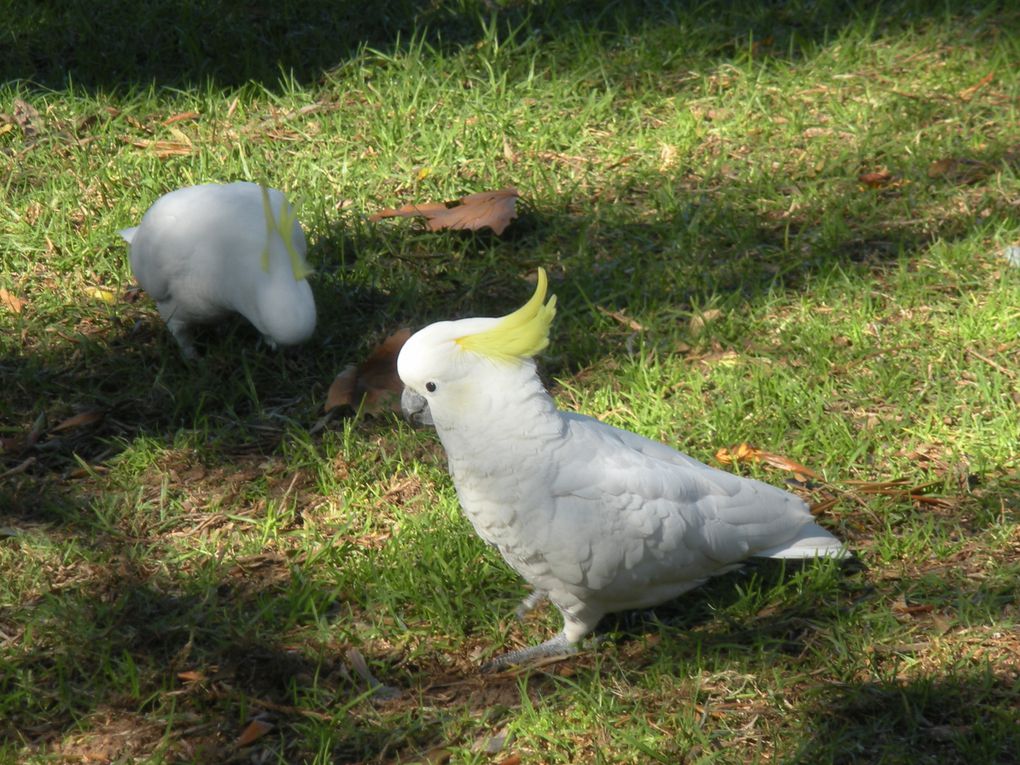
x=27, y=117
x=877, y=179
x=191, y=676
x=941, y=167
x=744, y=452
x=10, y=301
x=374, y=383
x=164, y=149
x=900, y=488
x=618, y=316
x=439, y=755
x=700, y=320
x=799, y=471
x=968, y=93
x=255, y=730
x=181, y=117
x=959, y=170
x=900, y=606
x=79, y=420
x=486, y=209
x=22, y=442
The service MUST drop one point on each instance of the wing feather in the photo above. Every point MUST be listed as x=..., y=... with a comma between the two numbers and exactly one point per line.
x=644, y=516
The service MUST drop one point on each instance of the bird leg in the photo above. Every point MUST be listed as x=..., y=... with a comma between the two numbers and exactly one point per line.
x=530, y=603
x=182, y=334
x=553, y=647
x=180, y=330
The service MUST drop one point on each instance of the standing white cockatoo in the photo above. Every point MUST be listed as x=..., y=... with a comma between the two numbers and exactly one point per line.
x=595, y=518
x=204, y=252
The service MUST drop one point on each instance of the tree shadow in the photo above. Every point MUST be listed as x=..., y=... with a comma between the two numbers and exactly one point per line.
x=707, y=239
x=955, y=717
x=180, y=646
x=687, y=240
x=107, y=45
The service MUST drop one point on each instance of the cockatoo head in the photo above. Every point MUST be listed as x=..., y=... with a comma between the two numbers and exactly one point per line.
x=284, y=308
x=456, y=369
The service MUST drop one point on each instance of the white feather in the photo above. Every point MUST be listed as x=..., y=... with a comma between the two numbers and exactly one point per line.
x=199, y=252
x=598, y=518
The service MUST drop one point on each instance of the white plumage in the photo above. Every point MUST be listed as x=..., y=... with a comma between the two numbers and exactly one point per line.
x=595, y=518
x=204, y=252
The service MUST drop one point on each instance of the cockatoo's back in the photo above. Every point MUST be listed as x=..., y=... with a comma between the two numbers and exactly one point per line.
x=203, y=252
x=643, y=521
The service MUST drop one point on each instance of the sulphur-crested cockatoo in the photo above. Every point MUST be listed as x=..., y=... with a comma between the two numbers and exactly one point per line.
x=595, y=518
x=203, y=252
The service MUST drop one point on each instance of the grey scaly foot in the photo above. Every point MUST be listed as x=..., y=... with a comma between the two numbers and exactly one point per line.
x=551, y=648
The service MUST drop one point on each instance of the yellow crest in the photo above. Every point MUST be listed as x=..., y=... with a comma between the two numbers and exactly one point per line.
x=520, y=334
x=285, y=226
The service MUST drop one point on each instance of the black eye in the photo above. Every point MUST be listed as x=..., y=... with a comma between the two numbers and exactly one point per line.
x=430, y=387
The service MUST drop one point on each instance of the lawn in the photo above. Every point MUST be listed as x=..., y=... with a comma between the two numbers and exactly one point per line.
x=779, y=224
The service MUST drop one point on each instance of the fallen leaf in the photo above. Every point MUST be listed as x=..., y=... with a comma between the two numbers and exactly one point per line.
x=11, y=301
x=25, y=465
x=164, y=149
x=494, y=743
x=191, y=676
x=27, y=117
x=968, y=93
x=180, y=117
x=380, y=690
x=900, y=488
x=38, y=428
x=25, y=441
x=667, y=157
x=801, y=472
x=486, y=209
x=741, y=453
x=699, y=320
x=959, y=170
x=79, y=420
x=950, y=732
x=900, y=606
x=101, y=293
x=439, y=755
x=373, y=384
x=621, y=318
x=876, y=179
x=744, y=452
x=255, y=730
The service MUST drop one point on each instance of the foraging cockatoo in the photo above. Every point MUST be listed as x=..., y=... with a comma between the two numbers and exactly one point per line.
x=203, y=252
x=595, y=518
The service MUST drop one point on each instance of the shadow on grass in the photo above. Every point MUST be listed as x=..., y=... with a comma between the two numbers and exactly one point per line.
x=105, y=45
x=130, y=641
x=962, y=716
x=686, y=240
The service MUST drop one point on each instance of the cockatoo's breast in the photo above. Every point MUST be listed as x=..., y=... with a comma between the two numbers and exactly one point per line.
x=505, y=487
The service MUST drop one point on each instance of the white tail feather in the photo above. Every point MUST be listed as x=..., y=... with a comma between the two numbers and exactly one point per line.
x=812, y=541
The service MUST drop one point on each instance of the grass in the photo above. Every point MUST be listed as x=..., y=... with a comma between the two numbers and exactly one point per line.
x=211, y=551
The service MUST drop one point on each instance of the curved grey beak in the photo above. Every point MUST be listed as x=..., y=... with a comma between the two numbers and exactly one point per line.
x=415, y=408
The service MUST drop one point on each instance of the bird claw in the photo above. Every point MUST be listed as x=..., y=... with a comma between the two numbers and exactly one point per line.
x=554, y=648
